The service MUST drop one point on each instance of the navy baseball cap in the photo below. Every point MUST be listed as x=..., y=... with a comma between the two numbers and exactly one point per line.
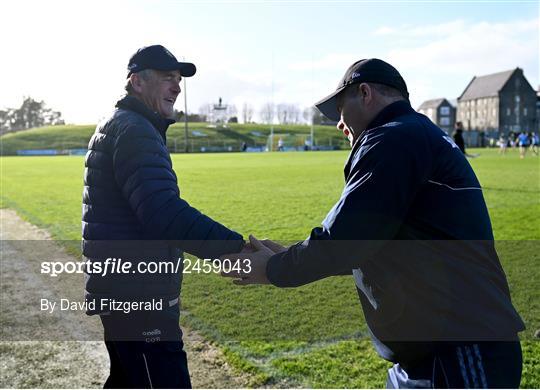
x=364, y=71
x=158, y=58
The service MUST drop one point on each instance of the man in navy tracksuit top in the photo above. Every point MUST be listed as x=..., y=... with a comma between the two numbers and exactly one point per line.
x=413, y=229
x=133, y=212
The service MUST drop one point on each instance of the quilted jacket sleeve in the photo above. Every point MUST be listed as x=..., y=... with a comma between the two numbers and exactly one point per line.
x=143, y=171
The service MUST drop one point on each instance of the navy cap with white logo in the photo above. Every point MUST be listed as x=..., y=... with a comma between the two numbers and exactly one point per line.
x=364, y=71
x=159, y=58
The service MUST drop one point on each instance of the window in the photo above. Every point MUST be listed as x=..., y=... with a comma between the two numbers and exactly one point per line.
x=444, y=110
x=508, y=112
x=445, y=121
x=517, y=98
x=494, y=112
x=525, y=111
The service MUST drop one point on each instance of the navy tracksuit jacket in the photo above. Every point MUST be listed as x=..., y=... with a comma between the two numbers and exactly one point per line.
x=413, y=228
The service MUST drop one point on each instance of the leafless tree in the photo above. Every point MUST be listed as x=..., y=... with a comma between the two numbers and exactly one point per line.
x=206, y=109
x=267, y=113
x=247, y=112
x=282, y=113
x=231, y=110
x=294, y=114
x=288, y=113
x=313, y=114
x=308, y=114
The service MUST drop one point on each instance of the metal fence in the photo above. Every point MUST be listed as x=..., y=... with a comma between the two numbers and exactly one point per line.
x=480, y=139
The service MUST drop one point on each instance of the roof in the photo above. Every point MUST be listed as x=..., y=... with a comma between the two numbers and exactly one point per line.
x=488, y=85
x=432, y=103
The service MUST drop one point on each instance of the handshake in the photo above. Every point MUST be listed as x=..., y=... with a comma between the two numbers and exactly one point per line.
x=258, y=252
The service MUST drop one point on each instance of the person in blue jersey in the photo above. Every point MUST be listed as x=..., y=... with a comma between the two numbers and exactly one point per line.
x=133, y=212
x=412, y=228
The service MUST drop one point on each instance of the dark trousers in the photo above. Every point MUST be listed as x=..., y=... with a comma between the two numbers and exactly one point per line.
x=146, y=350
x=467, y=365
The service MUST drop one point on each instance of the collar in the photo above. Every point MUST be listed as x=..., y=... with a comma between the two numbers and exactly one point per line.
x=133, y=104
x=390, y=112
x=386, y=115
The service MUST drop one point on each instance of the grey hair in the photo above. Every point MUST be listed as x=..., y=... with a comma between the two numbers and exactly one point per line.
x=145, y=74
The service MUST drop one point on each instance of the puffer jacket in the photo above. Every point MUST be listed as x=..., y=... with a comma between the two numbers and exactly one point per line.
x=132, y=209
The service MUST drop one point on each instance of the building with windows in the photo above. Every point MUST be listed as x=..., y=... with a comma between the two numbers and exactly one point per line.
x=497, y=103
x=441, y=112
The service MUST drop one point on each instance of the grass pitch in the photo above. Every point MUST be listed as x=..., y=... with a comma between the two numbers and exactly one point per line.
x=314, y=335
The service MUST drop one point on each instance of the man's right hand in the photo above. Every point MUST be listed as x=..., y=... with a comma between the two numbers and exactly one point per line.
x=273, y=246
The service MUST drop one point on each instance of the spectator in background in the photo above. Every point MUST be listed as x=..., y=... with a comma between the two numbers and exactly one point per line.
x=502, y=142
x=458, y=137
x=280, y=145
x=535, y=141
x=513, y=139
x=523, y=142
x=482, y=136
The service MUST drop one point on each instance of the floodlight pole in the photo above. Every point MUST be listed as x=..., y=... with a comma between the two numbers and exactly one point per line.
x=272, y=116
x=312, y=109
x=311, y=135
x=185, y=118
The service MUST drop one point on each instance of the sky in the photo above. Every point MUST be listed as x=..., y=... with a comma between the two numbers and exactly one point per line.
x=74, y=54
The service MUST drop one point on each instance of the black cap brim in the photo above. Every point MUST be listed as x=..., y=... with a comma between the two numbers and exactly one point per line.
x=187, y=69
x=328, y=106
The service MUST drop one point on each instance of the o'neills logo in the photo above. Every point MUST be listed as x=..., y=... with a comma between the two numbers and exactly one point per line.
x=355, y=75
x=155, y=332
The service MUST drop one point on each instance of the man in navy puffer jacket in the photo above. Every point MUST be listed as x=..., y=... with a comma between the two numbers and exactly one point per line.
x=132, y=212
